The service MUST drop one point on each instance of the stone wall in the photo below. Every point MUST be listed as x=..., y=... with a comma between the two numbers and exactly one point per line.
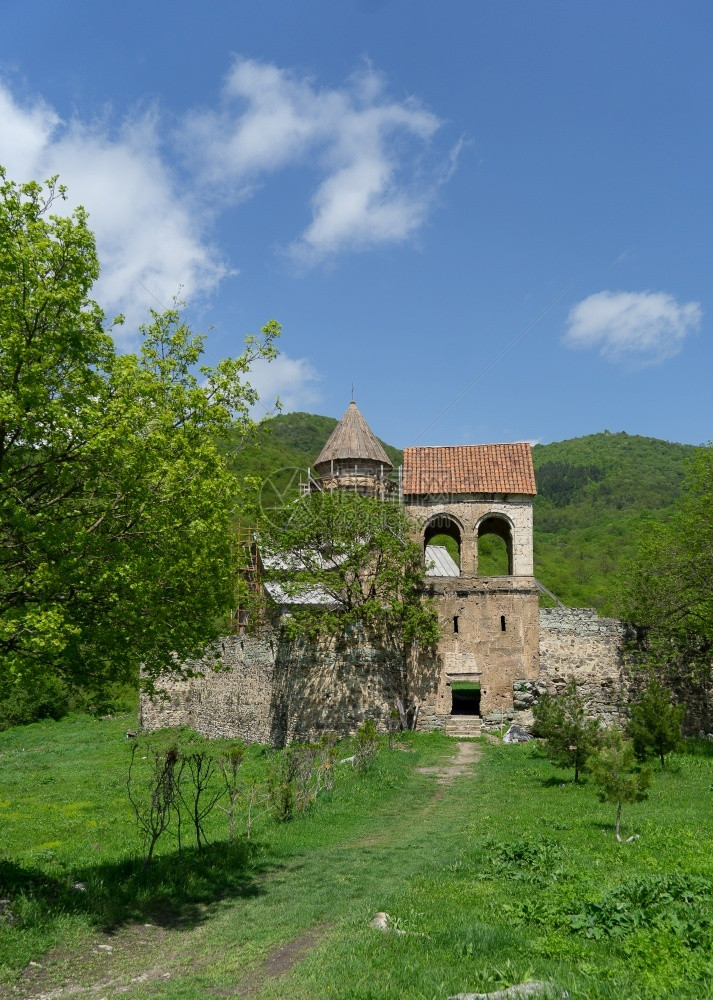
x=233, y=701
x=271, y=691
x=335, y=687
x=576, y=642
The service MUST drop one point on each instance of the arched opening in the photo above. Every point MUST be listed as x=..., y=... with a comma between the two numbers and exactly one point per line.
x=442, y=533
x=494, y=546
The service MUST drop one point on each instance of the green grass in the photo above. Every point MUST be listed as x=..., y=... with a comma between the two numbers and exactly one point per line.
x=510, y=874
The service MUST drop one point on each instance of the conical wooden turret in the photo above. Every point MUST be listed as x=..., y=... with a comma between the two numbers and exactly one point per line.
x=352, y=440
x=353, y=458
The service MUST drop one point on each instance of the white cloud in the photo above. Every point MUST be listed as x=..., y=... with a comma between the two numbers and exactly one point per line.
x=149, y=234
x=368, y=151
x=376, y=175
x=292, y=379
x=637, y=327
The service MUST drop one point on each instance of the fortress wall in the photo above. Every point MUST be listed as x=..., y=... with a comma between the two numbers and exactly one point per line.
x=575, y=642
x=233, y=701
x=334, y=687
x=272, y=692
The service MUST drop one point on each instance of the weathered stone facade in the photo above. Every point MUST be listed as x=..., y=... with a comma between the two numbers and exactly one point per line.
x=576, y=642
x=496, y=642
x=274, y=692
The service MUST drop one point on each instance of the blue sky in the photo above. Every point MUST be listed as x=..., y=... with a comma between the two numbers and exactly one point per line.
x=406, y=186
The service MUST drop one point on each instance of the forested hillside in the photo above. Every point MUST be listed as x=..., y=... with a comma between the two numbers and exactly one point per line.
x=594, y=492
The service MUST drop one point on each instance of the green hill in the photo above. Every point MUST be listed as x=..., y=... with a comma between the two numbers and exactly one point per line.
x=593, y=494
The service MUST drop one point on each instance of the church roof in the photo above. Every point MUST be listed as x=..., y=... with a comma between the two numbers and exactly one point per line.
x=472, y=468
x=352, y=440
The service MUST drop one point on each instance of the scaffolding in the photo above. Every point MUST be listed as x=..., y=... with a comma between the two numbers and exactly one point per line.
x=249, y=599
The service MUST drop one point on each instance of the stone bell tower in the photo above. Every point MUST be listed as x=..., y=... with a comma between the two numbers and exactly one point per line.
x=490, y=623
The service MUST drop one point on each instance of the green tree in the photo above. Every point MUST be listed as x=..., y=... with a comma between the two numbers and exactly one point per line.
x=115, y=505
x=345, y=561
x=615, y=771
x=655, y=723
x=570, y=734
x=669, y=593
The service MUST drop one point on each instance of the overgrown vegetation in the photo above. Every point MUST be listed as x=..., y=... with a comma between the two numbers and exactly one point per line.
x=668, y=590
x=347, y=564
x=511, y=875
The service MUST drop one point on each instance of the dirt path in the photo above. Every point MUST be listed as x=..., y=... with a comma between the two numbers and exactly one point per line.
x=446, y=773
x=280, y=961
x=140, y=954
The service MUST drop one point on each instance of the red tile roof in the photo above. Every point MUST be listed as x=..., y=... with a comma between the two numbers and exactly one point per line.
x=472, y=468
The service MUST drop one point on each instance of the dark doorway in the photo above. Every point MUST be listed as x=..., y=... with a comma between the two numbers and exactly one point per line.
x=465, y=698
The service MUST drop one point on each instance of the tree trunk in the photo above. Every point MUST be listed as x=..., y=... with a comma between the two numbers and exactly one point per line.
x=403, y=718
x=618, y=821
x=415, y=716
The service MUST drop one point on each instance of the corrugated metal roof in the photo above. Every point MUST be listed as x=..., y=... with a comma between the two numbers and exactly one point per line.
x=297, y=595
x=473, y=468
x=439, y=562
x=350, y=441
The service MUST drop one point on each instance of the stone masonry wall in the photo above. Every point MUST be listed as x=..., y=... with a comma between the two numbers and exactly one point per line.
x=575, y=642
x=270, y=691
x=234, y=701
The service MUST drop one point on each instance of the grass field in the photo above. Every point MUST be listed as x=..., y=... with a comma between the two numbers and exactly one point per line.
x=510, y=873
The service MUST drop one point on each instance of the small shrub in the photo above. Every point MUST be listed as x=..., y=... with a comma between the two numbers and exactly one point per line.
x=367, y=745
x=655, y=723
x=281, y=786
x=154, y=794
x=615, y=772
x=570, y=734
x=229, y=764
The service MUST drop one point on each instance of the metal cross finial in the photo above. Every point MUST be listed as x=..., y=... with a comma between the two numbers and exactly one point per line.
x=352, y=392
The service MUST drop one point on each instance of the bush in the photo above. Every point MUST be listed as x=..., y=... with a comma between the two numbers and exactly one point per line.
x=47, y=698
x=655, y=724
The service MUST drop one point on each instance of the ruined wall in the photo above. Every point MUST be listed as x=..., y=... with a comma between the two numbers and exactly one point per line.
x=335, y=687
x=271, y=691
x=600, y=654
x=234, y=701
x=575, y=642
